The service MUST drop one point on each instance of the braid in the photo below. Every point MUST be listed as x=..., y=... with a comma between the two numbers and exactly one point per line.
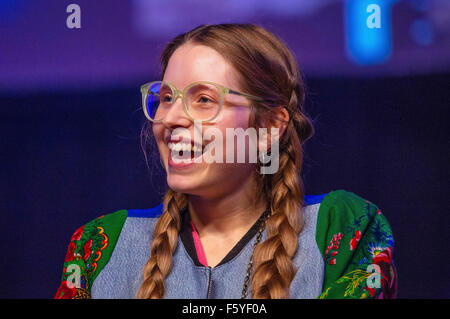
x=272, y=258
x=274, y=270
x=164, y=243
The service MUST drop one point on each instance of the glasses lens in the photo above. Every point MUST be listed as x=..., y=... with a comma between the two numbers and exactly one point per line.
x=203, y=101
x=158, y=100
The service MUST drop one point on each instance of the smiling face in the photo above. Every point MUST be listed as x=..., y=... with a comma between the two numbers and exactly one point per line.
x=191, y=63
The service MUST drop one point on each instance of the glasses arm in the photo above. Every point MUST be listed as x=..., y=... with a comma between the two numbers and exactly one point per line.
x=256, y=98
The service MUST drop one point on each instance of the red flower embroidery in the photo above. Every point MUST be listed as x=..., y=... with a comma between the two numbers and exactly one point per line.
x=70, y=252
x=77, y=234
x=355, y=240
x=87, y=250
x=387, y=272
x=331, y=250
x=384, y=257
x=65, y=292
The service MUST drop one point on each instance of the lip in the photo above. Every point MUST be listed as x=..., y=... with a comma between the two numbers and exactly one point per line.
x=179, y=164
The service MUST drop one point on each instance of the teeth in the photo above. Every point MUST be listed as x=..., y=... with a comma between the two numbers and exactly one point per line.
x=183, y=147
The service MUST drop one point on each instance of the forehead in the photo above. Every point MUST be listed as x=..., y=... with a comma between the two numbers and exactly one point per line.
x=193, y=62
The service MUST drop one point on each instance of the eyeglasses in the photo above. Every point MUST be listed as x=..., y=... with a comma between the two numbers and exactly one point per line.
x=202, y=100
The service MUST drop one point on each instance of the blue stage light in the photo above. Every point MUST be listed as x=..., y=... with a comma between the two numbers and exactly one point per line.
x=368, y=30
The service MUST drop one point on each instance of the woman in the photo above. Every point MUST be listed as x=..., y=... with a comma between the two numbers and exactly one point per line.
x=225, y=229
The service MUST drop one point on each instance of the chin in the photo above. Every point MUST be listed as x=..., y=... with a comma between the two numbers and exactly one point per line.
x=183, y=184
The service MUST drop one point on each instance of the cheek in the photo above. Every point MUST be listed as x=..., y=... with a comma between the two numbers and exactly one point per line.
x=236, y=118
x=158, y=133
x=155, y=130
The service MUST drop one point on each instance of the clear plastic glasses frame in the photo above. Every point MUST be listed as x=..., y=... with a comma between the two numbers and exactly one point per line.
x=178, y=93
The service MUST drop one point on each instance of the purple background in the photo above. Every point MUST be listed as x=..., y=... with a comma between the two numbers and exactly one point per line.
x=119, y=41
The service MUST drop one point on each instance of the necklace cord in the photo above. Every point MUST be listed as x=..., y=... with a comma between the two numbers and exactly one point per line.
x=266, y=215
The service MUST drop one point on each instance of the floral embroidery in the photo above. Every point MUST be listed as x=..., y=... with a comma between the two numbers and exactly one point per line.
x=77, y=235
x=70, y=252
x=332, y=249
x=87, y=250
x=387, y=271
x=354, y=279
x=98, y=253
x=86, y=256
x=64, y=292
x=355, y=240
x=357, y=280
x=365, y=267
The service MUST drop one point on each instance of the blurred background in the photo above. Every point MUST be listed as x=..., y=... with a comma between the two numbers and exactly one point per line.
x=378, y=81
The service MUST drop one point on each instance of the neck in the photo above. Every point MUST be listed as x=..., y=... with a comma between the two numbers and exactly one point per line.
x=233, y=212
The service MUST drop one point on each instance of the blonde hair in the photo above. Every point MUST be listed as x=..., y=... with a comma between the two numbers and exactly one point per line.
x=268, y=69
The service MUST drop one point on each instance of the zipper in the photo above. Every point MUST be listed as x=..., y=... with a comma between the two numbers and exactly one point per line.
x=208, y=293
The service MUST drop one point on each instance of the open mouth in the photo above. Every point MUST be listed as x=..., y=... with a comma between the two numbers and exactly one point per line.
x=182, y=152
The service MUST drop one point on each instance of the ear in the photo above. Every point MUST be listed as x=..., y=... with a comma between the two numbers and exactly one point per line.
x=278, y=118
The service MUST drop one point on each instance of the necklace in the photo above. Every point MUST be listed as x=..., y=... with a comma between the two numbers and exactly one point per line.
x=250, y=263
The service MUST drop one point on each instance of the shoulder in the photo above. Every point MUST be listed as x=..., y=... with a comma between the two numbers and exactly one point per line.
x=344, y=213
x=103, y=232
x=340, y=214
x=107, y=228
x=340, y=198
x=91, y=247
x=153, y=212
x=111, y=224
x=340, y=207
x=352, y=233
x=347, y=223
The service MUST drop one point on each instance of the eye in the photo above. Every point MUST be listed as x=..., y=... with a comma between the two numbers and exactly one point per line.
x=166, y=98
x=204, y=99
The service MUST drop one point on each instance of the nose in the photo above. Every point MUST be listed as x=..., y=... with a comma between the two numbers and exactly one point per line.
x=176, y=116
